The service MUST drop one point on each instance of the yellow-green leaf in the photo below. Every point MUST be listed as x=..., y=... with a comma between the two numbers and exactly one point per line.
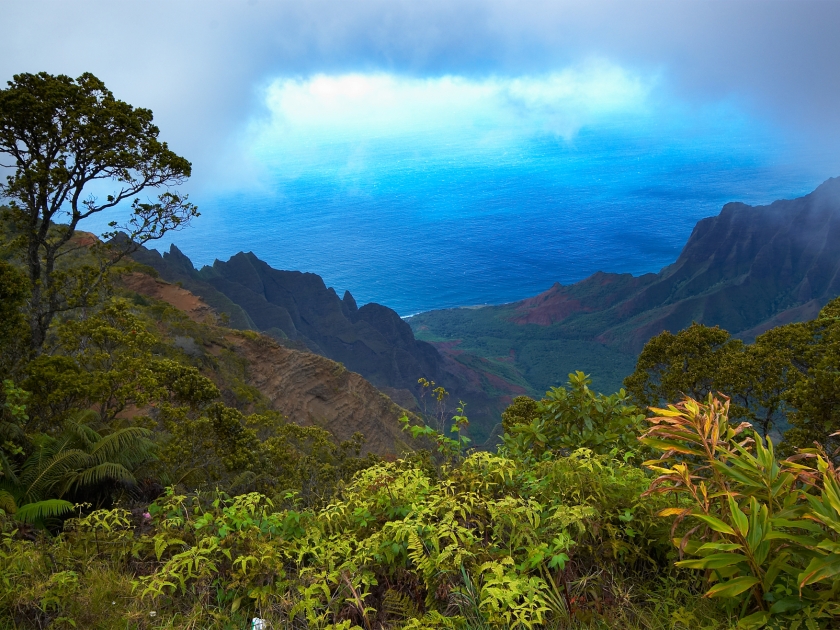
x=732, y=587
x=716, y=524
x=738, y=517
x=714, y=561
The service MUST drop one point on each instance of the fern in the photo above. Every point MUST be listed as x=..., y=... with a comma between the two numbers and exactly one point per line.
x=76, y=459
x=107, y=471
x=44, y=471
x=399, y=606
x=131, y=444
x=43, y=510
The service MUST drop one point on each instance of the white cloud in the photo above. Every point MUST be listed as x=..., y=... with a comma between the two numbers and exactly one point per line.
x=309, y=119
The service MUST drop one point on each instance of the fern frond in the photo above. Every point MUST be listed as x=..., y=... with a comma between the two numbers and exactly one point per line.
x=11, y=431
x=78, y=427
x=7, y=470
x=242, y=479
x=40, y=477
x=106, y=471
x=33, y=512
x=399, y=606
x=131, y=443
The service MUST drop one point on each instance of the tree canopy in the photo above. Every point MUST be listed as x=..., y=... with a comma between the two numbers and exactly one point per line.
x=66, y=141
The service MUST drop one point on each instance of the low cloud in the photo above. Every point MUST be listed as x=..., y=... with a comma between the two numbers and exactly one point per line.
x=467, y=114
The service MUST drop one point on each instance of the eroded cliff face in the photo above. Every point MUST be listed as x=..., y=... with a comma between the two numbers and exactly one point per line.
x=306, y=388
x=311, y=390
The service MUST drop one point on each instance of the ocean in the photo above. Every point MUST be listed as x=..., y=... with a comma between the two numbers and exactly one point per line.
x=418, y=226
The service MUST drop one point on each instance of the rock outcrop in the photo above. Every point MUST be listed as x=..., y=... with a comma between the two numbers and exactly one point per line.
x=312, y=390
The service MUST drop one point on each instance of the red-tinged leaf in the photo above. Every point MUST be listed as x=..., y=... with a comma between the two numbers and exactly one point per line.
x=733, y=587
x=672, y=412
x=664, y=445
x=673, y=511
x=686, y=545
x=718, y=546
x=820, y=569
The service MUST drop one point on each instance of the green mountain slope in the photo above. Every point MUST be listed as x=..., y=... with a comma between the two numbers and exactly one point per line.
x=745, y=270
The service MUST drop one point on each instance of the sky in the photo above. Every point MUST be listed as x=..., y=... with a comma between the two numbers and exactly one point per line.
x=208, y=69
x=380, y=116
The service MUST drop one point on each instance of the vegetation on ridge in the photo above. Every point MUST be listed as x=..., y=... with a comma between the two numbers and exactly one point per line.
x=145, y=484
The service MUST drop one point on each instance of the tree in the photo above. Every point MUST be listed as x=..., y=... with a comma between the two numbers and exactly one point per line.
x=790, y=375
x=14, y=289
x=63, y=138
x=686, y=364
x=814, y=397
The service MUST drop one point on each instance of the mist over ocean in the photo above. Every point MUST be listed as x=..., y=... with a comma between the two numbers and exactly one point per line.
x=431, y=194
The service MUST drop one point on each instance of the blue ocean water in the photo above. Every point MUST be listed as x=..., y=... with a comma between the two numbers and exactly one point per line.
x=424, y=228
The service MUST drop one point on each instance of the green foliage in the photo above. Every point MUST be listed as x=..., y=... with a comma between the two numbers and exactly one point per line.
x=14, y=289
x=532, y=357
x=572, y=418
x=450, y=449
x=104, y=361
x=73, y=463
x=494, y=524
x=787, y=378
x=485, y=541
x=522, y=410
x=686, y=364
x=814, y=397
x=61, y=135
x=13, y=417
x=765, y=532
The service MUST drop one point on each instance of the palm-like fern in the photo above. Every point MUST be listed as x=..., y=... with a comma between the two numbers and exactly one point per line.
x=78, y=459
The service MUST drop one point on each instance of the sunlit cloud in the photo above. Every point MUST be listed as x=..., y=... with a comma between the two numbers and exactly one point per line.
x=307, y=119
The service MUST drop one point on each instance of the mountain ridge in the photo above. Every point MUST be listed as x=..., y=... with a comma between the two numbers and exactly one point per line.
x=736, y=251
x=299, y=311
x=746, y=269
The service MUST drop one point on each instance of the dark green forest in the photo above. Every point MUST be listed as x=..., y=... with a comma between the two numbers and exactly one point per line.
x=145, y=485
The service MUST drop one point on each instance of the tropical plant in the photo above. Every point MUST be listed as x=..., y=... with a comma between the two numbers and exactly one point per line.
x=570, y=418
x=73, y=464
x=767, y=543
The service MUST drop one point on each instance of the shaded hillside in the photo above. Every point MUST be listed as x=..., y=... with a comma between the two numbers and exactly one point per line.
x=745, y=270
x=301, y=312
x=308, y=389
